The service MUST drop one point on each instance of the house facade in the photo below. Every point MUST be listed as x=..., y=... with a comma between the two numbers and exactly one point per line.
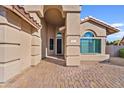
x=93, y=33
x=28, y=34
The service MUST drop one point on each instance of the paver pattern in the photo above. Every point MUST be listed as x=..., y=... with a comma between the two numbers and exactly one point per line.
x=51, y=73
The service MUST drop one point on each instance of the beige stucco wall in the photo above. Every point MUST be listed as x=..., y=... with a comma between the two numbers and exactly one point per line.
x=99, y=30
x=25, y=44
x=9, y=45
x=15, y=44
x=100, y=33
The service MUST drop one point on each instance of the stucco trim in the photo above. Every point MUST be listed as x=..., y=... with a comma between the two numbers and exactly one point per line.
x=35, y=55
x=10, y=43
x=11, y=25
x=10, y=61
x=36, y=36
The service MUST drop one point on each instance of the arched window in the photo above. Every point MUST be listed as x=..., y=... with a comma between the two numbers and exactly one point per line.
x=89, y=44
x=89, y=34
x=59, y=35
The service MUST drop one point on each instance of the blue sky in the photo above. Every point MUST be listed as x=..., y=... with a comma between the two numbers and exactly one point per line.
x=112, y=14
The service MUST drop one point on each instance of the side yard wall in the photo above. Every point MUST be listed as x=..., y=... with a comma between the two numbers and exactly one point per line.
x=113, y=50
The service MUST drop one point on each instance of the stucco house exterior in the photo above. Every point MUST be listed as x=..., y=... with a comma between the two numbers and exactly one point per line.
x=28, y=34
x=93, y=39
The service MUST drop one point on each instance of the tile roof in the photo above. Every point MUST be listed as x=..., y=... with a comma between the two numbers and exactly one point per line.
x=100, y=22
x=20, y=11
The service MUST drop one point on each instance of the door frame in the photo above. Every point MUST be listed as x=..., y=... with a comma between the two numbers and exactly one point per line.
x=61, y=48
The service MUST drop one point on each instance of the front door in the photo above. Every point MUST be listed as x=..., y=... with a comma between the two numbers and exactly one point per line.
x=59, y=46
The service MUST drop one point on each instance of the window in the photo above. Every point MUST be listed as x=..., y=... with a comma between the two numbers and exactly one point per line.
x=51, y=44
x=88, y=34
x=59, y=35
x=89, y=44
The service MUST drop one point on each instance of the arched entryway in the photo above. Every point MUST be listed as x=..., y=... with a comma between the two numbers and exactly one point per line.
x=55, y=18
x=52, y=39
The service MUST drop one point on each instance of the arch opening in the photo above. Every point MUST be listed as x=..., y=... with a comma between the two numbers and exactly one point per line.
x=54, y=15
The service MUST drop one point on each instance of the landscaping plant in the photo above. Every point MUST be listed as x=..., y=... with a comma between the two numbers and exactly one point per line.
x=121, y=52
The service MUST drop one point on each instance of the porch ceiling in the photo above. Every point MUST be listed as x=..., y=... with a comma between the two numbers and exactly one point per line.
x=54, y=16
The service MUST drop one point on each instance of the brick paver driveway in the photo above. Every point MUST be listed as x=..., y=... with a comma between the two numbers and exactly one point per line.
x=53, y=73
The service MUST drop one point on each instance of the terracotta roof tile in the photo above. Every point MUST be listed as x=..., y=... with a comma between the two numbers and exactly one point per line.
x=26, y=14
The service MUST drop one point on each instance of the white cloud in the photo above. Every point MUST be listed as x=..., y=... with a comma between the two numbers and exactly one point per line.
x=118, y=24
x=116, y=36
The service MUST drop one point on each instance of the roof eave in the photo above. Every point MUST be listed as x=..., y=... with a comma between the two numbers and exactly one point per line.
x=114, y=30
x=22, y=14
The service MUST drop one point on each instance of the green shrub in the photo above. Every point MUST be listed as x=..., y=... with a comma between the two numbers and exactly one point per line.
x=121, y=52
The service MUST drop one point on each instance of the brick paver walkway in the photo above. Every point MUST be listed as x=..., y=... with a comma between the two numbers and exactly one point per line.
x=53, y=73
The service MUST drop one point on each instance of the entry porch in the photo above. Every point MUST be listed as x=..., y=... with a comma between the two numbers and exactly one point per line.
x=60, y=35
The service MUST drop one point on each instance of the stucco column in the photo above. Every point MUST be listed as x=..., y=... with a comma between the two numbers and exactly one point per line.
x=72, y=38
x=36, y=48
x=103, y=45
x=44, y=38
